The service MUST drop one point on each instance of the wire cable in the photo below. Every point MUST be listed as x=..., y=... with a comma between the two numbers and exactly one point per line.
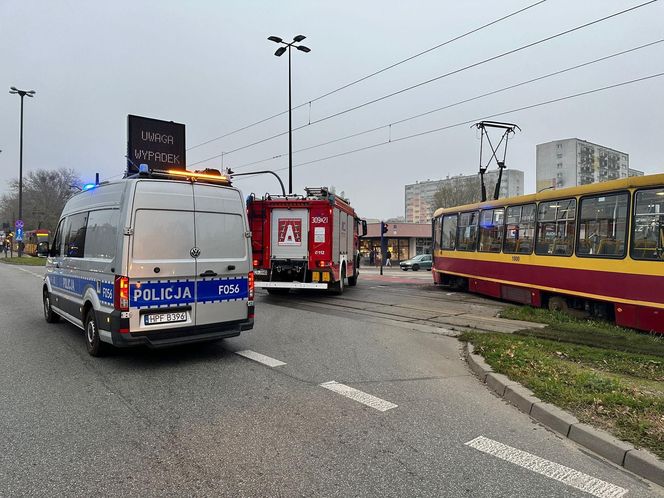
x=456, y=71
x=464, y=101
x=471, y=121
x=343, y=87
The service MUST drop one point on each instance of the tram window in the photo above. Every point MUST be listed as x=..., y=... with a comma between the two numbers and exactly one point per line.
x=437, y=234
x=603, y=226
x=519, y=229
x=449, y=231
x=555, y=227
x=648, y=225
x=491, y=230
x=467, y=231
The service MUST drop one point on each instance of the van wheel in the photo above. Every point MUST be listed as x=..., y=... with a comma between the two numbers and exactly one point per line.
x=92, y=340
x=50, y=315
x=339, y=286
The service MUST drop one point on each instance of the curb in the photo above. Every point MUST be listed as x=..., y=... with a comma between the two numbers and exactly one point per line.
x=640, y=462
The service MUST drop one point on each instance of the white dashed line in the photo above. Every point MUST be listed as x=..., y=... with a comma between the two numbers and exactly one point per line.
x=260, y=358
x=359, y=396
x=552, y=470
x=31, y=273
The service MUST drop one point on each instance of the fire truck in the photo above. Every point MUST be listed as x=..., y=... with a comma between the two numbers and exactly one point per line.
x=305, y=242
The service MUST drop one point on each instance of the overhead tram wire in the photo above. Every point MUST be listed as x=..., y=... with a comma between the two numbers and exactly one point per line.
x=464, y=101
x=359, y=80
x=475, y=120
x=456, y=71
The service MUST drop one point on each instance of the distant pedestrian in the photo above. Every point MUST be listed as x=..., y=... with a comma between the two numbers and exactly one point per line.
x=388, y=257
x=5, y=246
x=372, y=257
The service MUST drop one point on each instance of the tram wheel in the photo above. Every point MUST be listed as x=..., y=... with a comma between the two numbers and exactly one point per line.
x=558, y=303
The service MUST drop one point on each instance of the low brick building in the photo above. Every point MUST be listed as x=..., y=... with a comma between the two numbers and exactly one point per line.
x=403, y=240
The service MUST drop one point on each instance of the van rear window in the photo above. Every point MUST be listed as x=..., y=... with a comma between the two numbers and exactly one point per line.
x=220, y=236
x=163, y=234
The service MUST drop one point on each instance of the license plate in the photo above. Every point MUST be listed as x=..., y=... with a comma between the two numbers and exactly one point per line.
x=179, y=316
x=260, y=272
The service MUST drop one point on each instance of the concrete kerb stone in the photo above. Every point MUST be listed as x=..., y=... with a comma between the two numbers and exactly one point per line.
x=519, y=396
x=477, y=363
x=640, y=462
x=498, y=382
x=553, y=417
x=645, y=464
x=600, y=442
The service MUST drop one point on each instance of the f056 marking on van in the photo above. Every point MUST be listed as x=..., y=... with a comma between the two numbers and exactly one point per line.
x=176, y=293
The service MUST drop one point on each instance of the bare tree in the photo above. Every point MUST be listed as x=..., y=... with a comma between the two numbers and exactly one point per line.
x=44, y=195
x=458, y=191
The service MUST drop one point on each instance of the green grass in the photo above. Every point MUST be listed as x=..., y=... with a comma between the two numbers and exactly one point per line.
x=616, y=384
x=596, y=333
x=23, y=260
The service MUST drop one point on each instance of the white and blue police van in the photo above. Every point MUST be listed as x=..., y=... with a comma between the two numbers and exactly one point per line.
x=158, y=258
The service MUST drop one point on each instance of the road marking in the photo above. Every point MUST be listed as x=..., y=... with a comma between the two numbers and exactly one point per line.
x=260, y=358
x=357, y=395
x=552, y=470
x=31, y=272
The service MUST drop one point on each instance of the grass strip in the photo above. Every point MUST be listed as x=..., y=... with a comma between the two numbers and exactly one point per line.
x=24, y=260
x=593, y=333
x=621, y=392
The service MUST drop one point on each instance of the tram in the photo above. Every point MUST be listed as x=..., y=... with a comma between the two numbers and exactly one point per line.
x=598, y=248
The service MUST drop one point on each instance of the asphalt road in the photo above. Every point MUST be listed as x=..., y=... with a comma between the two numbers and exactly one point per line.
x=204, y=420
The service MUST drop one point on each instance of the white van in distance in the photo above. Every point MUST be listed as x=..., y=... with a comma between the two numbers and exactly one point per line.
x=159, y=258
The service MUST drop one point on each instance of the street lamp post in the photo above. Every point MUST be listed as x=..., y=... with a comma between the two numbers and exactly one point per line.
x=280, y=51
x=21, y=93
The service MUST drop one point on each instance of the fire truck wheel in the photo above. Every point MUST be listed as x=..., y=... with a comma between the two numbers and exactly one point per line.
x=352, y=281
x=277, y=291
x=339, y=286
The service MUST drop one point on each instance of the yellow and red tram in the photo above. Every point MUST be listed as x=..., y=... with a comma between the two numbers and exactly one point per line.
x=597, y=247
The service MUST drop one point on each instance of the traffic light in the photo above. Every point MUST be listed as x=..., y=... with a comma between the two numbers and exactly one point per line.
x=383, y=228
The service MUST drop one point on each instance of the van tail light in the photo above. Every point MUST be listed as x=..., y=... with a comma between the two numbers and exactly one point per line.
x=121, y=294
x=251, y=285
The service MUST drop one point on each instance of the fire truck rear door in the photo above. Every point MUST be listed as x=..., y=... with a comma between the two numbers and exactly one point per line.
x=290, y=233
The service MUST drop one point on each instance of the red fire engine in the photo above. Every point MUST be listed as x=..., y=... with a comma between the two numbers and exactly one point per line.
x=305, y=242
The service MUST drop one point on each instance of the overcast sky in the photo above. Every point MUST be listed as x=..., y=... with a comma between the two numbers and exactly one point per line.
x=209, y=65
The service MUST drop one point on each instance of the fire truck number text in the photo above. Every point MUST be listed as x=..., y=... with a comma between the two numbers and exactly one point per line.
x=319, y=219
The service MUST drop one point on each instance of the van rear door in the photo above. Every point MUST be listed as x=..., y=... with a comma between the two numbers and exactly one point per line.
x=223, y=263
x=161, y=263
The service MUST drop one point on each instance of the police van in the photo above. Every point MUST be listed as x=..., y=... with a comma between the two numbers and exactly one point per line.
x=159, y=258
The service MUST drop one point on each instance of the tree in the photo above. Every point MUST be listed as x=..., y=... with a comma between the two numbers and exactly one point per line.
x=458, y=191
x=45, y=193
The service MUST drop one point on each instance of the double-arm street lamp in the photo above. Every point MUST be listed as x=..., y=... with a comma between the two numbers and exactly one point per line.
x=21, y=93
x=280, y=51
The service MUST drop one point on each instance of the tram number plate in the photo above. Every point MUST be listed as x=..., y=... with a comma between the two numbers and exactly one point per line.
x=179, y=316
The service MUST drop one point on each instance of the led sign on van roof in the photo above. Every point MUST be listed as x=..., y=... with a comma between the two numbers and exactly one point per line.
x=159, y=144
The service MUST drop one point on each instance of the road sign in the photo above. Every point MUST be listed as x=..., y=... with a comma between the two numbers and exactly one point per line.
x=159, y=144
x=18, y=224
x=19, y=235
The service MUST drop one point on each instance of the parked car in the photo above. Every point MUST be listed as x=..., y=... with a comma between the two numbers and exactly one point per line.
x=419, y=261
